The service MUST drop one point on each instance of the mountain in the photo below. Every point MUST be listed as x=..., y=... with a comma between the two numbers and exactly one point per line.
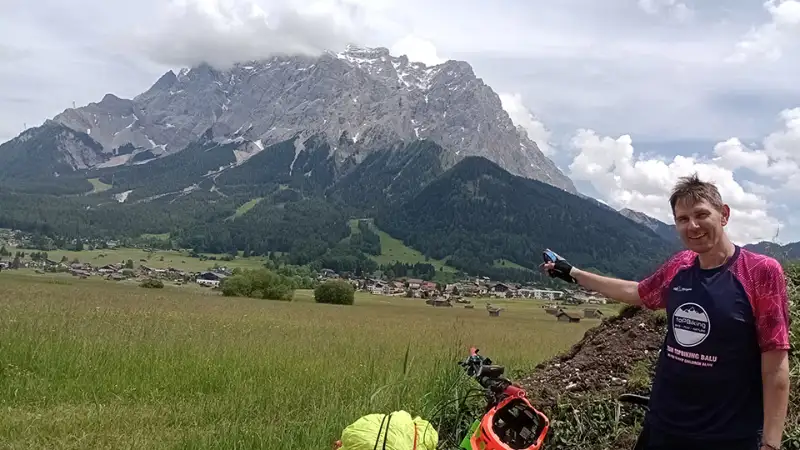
x=476, y=214
x=363, y=96
x=387, y=178
x=40, y=156
x=786, y=252
x=278, y=156
x=667, y=232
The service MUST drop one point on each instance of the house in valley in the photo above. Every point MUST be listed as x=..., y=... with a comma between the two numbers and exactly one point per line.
x=564, y=316
x=592, y=313
x=209, y=279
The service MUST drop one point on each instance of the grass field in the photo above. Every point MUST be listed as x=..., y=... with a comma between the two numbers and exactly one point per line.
x=394, y=250
x=178, y=260
x=240, y=211
x=91, y=364
x=160, y=236
x=98, y=186
x=504, y=263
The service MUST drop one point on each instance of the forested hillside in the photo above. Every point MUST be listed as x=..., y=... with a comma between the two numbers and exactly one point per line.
x=478, y=213
x=294, y=199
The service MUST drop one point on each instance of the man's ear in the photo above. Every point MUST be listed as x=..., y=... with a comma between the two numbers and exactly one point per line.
x=726, y=214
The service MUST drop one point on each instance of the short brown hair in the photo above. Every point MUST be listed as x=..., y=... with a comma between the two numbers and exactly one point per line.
x=691, y=187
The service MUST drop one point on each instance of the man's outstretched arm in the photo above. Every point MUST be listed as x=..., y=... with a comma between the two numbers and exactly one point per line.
x=614, y=288
x=649, y=292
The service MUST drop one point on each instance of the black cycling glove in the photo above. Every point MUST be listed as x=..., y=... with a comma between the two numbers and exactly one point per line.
x=562, y=267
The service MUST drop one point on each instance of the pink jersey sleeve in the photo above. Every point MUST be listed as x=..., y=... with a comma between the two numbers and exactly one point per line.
x=652, y=289
x=765, y=284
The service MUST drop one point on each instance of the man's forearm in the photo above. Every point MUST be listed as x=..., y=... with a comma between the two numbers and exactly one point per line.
x=621, y=290
x=776, y=400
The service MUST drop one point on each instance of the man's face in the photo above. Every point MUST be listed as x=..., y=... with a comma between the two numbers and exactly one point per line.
x=700, y=225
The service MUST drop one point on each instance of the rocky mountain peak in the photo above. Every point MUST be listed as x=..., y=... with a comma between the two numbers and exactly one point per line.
x=165, y=82
x=373, y=98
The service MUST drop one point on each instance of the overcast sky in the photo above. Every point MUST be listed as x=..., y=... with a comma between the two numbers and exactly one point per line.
x=624, y=95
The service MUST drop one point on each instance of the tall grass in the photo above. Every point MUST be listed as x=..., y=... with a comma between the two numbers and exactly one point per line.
x=89, y=364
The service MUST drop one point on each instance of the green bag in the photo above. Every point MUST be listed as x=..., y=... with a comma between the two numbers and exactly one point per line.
x=395, y=431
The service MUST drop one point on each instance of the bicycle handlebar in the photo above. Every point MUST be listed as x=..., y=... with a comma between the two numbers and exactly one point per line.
x=489, y=376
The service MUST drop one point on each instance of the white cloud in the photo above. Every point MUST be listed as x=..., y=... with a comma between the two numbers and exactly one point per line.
x=779, y=159
x=675, y=9
x=768, y=40
x=627, y=180
x=583, y=64
x=417, y=49
x=522, y=116
x=221, y=32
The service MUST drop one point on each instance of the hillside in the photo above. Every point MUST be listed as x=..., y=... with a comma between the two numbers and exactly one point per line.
x=477, y=213
x=41, y=160
x=788, y=252
x=667, y=232
x=389, y=250
x=475, y=217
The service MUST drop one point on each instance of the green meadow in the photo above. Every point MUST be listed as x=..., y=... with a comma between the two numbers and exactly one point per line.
x=94, y=364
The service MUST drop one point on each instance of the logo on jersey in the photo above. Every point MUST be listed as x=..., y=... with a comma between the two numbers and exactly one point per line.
x=690, y=324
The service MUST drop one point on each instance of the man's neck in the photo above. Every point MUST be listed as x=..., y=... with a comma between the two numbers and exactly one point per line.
x=717, y=256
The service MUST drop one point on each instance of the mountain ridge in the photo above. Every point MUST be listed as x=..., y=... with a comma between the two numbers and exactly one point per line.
x=667, y=232
x=781, y=252
x=362, y=95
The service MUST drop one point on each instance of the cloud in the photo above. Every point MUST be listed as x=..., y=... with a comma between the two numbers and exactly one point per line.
x=675, y=9
x=625, y=179
x=221, y=32
x=767, y=41
x=521, y=116
x=417, y=49
x=778, y=159
x=10, y=54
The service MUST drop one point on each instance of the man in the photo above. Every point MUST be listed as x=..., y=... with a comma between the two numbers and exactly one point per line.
x=722, y=379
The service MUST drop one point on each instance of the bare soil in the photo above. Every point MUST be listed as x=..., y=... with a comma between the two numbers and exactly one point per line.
x=603, y=362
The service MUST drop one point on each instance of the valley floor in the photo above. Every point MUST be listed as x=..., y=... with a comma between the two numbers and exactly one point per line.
x=90, y=364
x=158, y=259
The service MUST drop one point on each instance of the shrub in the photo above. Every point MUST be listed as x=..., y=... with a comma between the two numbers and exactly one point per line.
x=335, y=292
x=260, y=283
x=792, y=430
x=152, y=283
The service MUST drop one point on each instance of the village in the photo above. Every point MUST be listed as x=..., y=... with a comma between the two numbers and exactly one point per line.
x=461, y=293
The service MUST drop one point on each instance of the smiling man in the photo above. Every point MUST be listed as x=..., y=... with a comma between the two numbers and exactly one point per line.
x=722, y=379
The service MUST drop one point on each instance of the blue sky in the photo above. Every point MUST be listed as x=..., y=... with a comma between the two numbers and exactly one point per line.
x=624, y=95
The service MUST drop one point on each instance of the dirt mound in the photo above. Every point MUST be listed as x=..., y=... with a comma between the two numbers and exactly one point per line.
x=603, y=362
